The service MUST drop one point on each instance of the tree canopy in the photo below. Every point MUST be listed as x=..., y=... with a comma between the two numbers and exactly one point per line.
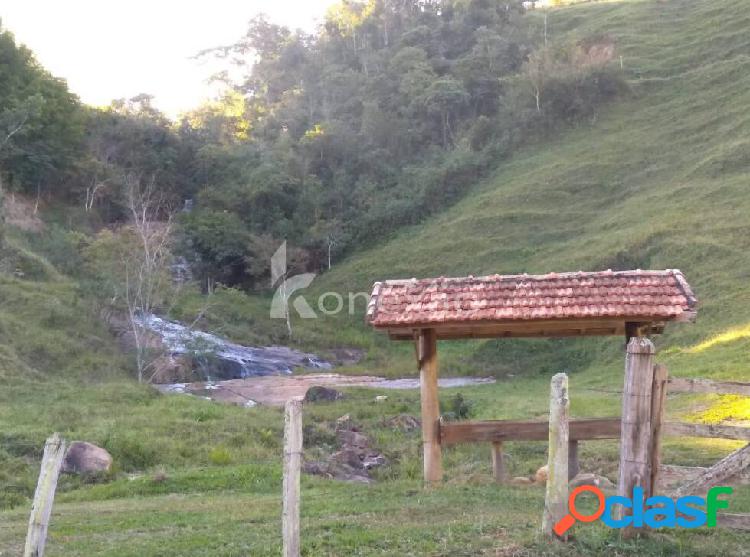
x=390, y=111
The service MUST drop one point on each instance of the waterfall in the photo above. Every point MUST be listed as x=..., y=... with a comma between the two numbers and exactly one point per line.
x=219, y=359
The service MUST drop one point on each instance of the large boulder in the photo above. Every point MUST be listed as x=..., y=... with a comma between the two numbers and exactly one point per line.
x=322, y=394
x=84, y=458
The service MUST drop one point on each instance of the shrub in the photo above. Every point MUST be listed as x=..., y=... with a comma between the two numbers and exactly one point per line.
x=459, y=408
x=220, y=456
x=131, y=452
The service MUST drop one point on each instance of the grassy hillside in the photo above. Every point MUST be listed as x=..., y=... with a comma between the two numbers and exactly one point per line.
x=656, y=180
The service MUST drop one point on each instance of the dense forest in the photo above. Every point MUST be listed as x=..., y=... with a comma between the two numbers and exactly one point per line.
x=389, y=112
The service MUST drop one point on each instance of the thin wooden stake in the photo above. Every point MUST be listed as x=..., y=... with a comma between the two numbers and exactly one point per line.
x=292, y=458
x=635, y=435
x=658, y=400
x=498, y=461
x=556, y=498
x=36, y=537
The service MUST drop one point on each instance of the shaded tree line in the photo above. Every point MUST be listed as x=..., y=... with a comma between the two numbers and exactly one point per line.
x=390, y=111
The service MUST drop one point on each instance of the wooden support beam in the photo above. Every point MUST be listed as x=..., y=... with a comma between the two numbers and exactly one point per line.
x=658, y=400
x=680, y=385
x=533, y=329
x=573, y=466
x=498, y=461
x=556, y=496
x=428, y=383
x=41, y=510
x=291, y=489
x=716, y=474
x=635, y=437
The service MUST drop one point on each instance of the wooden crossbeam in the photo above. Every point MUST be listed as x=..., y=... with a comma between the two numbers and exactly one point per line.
x=491, y=431
x=511, y=430
x=681, y=385
x=679, y=429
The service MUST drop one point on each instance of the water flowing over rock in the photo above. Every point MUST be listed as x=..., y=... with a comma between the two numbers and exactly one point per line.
x=181, y=271
x=219, y=359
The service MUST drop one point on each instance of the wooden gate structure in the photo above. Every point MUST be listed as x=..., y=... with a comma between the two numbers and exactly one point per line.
x=629, y=303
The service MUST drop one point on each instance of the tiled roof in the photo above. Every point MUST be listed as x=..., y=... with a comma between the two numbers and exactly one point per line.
x=618, y=295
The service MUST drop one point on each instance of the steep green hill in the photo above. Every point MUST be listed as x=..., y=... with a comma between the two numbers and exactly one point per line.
x=658, y=180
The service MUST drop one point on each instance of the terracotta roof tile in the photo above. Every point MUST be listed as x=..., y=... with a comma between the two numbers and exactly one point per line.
x=646, y=295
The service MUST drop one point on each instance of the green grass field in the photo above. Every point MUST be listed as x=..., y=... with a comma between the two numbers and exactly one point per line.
x=658, y=180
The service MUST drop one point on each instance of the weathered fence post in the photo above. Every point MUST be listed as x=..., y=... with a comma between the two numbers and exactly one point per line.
x=428, y=379
x=658, y=400
x=556, y=498
x=498, y=461
x=635, y=436
x=292, y=457
x=36, y=537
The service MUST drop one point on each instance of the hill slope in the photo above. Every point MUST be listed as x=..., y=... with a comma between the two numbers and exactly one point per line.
x=658, y=180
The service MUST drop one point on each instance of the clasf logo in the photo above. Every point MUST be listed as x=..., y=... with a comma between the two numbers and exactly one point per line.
x=658, y=511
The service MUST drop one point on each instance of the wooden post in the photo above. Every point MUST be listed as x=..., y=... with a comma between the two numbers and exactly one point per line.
x=635, y=434
x=498, y=461
x=658, y=400
x=556, y=498
x=292, y=457
x=573, y=467
x=36, y=537
x=428, y=384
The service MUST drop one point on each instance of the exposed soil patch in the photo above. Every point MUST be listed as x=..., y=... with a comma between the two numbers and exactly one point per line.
x=276, y=390
x=21, y=213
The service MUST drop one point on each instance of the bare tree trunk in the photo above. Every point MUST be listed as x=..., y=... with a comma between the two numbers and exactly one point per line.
x=38, y=195
x=145, y=270
x=13, y=132
x=2, y=213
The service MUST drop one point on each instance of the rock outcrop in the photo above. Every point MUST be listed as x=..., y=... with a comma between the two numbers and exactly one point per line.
x=354, y=458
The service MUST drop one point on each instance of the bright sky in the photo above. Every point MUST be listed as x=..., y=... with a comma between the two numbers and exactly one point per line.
x=108, y=50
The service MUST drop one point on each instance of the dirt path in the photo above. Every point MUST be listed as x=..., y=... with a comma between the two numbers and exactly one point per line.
x=275, y=390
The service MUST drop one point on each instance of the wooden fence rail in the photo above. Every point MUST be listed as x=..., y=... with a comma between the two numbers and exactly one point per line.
x=681, y=385
x=492, y=431
x=679, y=429
x=647, y=413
